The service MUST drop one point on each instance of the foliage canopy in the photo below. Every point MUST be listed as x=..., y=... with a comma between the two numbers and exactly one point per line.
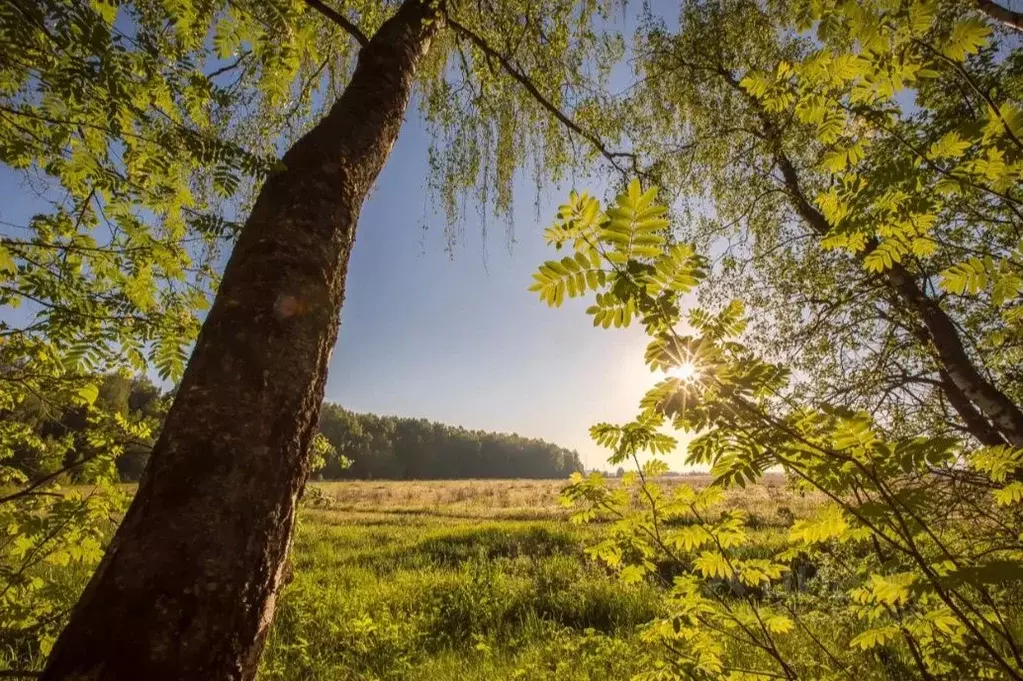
x=862, y=166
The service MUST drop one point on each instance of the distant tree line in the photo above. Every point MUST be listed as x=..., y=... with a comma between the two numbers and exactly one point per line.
x=387, y=447
x=396, y=448
x=63, y=437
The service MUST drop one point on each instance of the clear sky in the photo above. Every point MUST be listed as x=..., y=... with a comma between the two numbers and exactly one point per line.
x=455, y=336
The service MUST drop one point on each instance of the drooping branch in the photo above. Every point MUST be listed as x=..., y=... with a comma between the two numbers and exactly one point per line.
x=336, y=17
x=1001, y=14
x=612, y=156
x=943, y=335
x=29, y=490
x=995, y=406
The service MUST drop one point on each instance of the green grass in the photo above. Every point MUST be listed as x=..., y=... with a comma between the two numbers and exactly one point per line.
x=395, y=595
x=461, y=580
x=447, y=580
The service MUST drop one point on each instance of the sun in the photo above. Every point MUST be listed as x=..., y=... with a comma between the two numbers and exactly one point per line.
x=687, y=372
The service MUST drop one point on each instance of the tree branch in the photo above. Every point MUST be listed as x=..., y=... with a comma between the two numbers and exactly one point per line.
x=1002, y=14
x=612, y=156
x=229, y=67
x=29, y=490
x=336, y=17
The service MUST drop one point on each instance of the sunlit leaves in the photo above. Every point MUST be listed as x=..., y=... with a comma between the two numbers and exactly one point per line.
x=88, y=393
x=883, y=113
x=967, y=37
x=621, y=256
x=577, y=223
x=891, y=589
x=610, y=311
x=835, y=449
x=678, y=269
x=1010, y=494
x=712, y=564
x=570, y=276
x=996, y=462
x=855, y=433
x=778, y=624
x=827, y=524
x=890, y=164
x=872, y=638
x=969, y=276
x=689, y=538
x=632, y=438
x=951, y=145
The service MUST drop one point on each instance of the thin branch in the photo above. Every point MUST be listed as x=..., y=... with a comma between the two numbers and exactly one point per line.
x=28, y=491
x=336, y=17
x=229, y=67
x=958, y=68
x=612, y=156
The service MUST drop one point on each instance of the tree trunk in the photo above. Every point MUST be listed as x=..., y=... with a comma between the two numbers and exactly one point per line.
x=964, y=377
x=974, y=421
x=1002, y=412
x=1003, y=14
x=188, y=585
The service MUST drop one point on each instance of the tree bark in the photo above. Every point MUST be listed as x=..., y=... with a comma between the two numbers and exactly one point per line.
x=188, y=585
x=965, y=379
x=1002, y=14
x=979, y=402
x=974, y=421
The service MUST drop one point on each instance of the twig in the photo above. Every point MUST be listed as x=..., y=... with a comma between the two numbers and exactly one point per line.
x=339, y=19
x=27, y=491
x=524, y=81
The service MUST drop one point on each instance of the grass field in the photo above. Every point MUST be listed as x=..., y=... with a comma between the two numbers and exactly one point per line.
x=462, y=580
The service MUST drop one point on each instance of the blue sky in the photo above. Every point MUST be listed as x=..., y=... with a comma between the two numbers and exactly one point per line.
x=455, y=336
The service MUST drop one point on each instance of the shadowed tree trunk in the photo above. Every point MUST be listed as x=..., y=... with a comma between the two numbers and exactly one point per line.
x=188, y=585
x=965, y=384
x=1003, y=14
x=988, y=413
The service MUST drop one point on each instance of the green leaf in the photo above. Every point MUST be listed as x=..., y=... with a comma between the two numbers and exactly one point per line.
x=7, y=264
x=827, y=524
x=632, y=574
x=922, y=15
x=873, y=638
x=712, y=565
x=1010, y=494
x=968, y=36
x=778, y=624
x=965, y=277
x=951, y=145
x=88, y=393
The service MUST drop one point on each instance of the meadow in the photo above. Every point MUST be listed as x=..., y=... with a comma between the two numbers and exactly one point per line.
x=466, y=580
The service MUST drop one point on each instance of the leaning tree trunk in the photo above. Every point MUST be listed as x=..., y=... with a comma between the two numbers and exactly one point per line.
x=987, y=412
x=188, y=585
x=1003, y=14
x=990, y=409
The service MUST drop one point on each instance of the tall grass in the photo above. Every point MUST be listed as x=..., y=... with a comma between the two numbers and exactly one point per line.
x=394, y=596
x=471, y=579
